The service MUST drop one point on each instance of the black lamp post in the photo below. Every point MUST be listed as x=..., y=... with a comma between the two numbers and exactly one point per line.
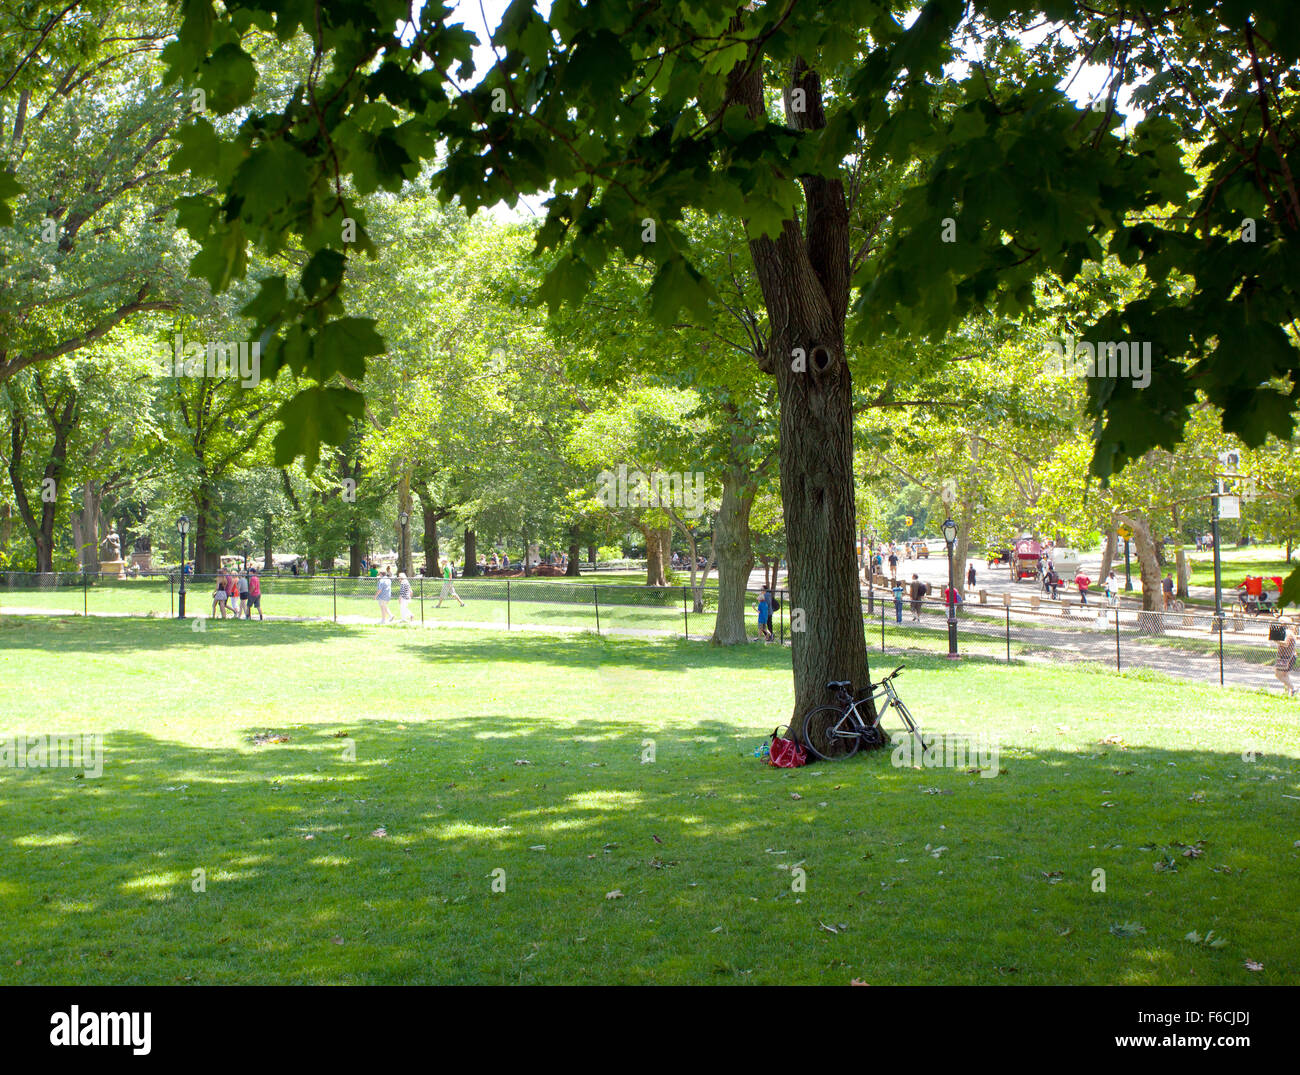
x=403, y=520
x=871, y=574
x=1128, y=574
x=949, y=536
x=182, y=528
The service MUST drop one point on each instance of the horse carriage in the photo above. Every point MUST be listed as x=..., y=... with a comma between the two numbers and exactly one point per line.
x=1028, y=553
x=1000, y=557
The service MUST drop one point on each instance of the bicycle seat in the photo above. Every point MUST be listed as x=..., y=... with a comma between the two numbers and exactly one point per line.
x=836, y=684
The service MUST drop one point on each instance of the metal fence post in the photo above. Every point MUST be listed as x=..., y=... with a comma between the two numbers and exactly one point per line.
x=1220, y=619
x=882, y=627
x=85, y=595
x=685, y=618
x=422, y=600
x=595, y=593
x=1117, y=637
x=782, y=611
x=508, y=609
x=335, y=581
x=1008, y=612
x=171, y=594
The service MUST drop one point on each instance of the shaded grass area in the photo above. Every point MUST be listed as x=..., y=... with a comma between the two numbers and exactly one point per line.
x=402, y=766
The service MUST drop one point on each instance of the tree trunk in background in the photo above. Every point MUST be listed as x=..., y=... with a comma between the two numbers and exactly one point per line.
x=1181, y=571
x=86, y=527
x=404, y=503
x=203, y=556
x=1146, y=554
x=804, y=276
x=654, y=556
x=735, y=560
x=961, y=548
x=575, y=554
x=268, y=544
x=1108, y=553
x=471, y=553
x=591, y=555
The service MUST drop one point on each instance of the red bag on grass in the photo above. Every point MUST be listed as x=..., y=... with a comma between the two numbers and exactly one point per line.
x=786, y=753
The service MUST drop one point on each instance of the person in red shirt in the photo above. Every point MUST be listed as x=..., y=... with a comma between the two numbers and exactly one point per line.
x=1082, y=582
x=254, y=595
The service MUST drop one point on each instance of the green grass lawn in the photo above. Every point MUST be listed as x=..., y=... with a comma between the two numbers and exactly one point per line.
x=364, y=849
x=533, y=602
x=1236, y=564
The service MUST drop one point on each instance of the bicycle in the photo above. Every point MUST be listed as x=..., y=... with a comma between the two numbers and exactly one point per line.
x=835, y=732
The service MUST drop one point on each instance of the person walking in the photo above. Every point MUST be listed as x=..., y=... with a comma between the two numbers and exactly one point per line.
x=970, y=577
x=1082, y=582
x=918, y=594
x=404, y=596
x=893, y=564
x=1284, y=664
x=1168, y=586
x=384, y=594
x=765, y=615
x=898, y=601
x=254, y=594
x=219, y=596
x=232, y=591
x=243, y=597
x=448, y=590
x=1112, y=590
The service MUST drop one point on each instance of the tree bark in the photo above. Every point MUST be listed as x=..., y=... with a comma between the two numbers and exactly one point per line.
x=735, y=554
x=805, y=278
x=268, y=550
x=471, y=553
x=1108, y=553
x=654, y=555
x=1146, y=554
x=575, y=554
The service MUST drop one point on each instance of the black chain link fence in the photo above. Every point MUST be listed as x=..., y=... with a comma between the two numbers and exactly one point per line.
x=1190, y=644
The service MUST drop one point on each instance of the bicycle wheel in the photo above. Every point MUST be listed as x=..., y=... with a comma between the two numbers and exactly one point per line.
x=1176, y=606
x=826, y=734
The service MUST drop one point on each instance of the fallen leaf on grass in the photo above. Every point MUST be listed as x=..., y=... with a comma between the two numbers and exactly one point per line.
x=1127, y=929
x=858, y=981
x=1250, y=964
x=795, y=795
x=380, y=832
x=615, y=895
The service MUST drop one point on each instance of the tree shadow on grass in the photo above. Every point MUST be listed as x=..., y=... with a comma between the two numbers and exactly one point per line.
x=368, y=853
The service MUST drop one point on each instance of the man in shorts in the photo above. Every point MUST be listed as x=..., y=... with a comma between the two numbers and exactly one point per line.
x=448, y=590
x=243, y=597
x=918, y=595
x=254, y=594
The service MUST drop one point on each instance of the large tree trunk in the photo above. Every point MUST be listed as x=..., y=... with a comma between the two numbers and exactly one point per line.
x=656, y=538
x=575, y=553
x=735, y=560
x=1108, y=553
x=404, y=503
x=1152, y=599
x=268, y=545
x=805, y=282
x=471, y=553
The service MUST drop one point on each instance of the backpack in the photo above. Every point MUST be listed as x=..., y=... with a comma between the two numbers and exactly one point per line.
x=786, y=753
